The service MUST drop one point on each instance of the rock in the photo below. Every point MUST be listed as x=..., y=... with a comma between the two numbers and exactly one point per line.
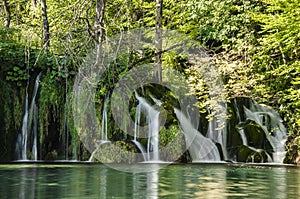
x=297, y=160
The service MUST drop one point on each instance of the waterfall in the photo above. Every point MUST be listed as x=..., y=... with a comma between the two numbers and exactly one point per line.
x=243, y=136
x=22, y=138
x=272, y=126
x=152, y=118
x=268, y=123
x=29, y=126
x=217, y=130
x=33, y=116
x=239, y=122
x=201, y=148
x=104, y=130
x=104, y=121
x=137, y=121
x=35, y=124
x=97, y=148
x=141, y=148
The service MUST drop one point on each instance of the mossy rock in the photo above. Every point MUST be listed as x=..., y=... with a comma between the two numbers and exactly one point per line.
x=293, y=150
x=118, y=152
x=51, y=155
x=246, y=154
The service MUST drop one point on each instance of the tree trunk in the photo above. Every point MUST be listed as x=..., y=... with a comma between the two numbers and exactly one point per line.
x=45, y=24
x=158, y=40
x=7, y=10
x=99, y=23
x=99, y=26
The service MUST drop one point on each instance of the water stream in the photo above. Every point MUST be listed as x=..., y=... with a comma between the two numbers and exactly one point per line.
x=201, y=148
x=152, y=118
x=104, y=130
x=267, y=120
x=29, y=126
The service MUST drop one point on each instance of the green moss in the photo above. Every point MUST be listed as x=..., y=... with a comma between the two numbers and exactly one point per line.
x=11, y=114
x=117, y=152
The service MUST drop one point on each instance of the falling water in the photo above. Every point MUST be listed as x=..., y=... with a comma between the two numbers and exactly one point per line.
x=217, y=130
x=201, y=148
x=243, y=135
x=272, y=126
x=104, y=130
x=33, y=116
x=141, y=148
x=104, y=121
x=240, y=128
x=29, y=118
x=137, y=121
x=269, y=122
x=35, y=124
x=152, y=118
x=22, y=138
x=97, y=148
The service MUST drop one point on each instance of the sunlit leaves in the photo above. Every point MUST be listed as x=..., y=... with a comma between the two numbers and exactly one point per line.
x=277, y=56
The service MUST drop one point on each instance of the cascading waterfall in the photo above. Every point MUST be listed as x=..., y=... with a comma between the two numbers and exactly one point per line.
x=272, y=126
x=204, y=148
x=22, y=138
x=104, y=130
x=104, y=122
x=217, y=131
x=29, y=126
x=201, y=148
x=136, y=131
x=267, y=120
x=152, y=118
x=239, y=120
x=35, y=129
x=137, y=121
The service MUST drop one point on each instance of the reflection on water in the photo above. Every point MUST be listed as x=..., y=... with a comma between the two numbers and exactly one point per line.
x=174, y=181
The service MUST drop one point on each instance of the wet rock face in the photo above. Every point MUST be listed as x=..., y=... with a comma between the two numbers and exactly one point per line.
x=249, y=154
x=255, y=132
x=252, y=133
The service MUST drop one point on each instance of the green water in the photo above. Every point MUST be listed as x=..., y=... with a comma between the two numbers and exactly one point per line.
x=57, y=181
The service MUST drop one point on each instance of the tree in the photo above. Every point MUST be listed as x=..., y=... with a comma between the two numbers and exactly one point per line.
x=158, y=40
x=277, y=58
x=46, y=32
x=99, y=26
x=7, y=10
x=99, y=22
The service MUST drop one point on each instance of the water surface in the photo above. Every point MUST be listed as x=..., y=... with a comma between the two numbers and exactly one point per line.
x=58, y=181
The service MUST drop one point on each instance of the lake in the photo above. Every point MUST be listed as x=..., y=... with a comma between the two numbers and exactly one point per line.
x=203, y=180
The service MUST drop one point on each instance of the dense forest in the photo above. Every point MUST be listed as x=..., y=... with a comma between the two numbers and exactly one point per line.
x=254, y=43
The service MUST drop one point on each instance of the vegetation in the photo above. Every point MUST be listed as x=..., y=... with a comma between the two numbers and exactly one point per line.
x=254, y=43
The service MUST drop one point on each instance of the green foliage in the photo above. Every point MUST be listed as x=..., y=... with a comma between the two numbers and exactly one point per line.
x=11, y=114
x=226, y=29
x=225, y=24
x=256, y=47
x=277, y=58
x=167, y=135
x=254, y=44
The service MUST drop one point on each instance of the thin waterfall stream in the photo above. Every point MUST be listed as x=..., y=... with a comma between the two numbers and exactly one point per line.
x=104, y=130
x=152, y=118
x=29, y=126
